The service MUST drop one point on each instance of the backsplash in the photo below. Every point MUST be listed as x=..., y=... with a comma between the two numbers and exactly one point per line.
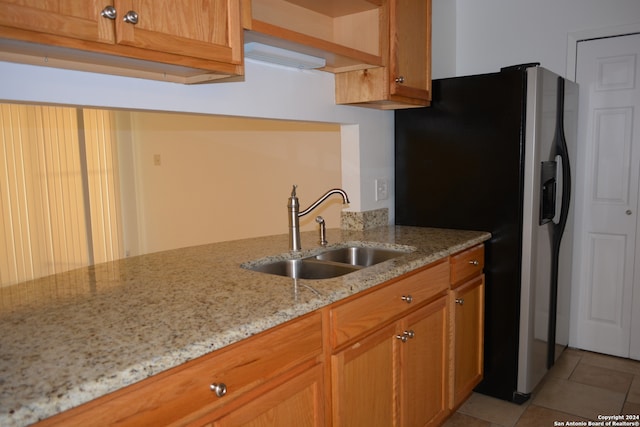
x=364, y=220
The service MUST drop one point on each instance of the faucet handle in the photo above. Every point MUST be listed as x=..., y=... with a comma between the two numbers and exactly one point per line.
x=293, y=191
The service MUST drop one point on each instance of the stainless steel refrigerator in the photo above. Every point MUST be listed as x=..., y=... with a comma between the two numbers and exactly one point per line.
x=496, y=152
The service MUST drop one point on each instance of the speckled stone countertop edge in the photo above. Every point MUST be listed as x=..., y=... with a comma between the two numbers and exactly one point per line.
x=30, y=406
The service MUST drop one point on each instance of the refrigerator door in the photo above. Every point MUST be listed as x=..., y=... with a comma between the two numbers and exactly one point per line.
x=538, y=212
x=459, y=165
x=547, y=192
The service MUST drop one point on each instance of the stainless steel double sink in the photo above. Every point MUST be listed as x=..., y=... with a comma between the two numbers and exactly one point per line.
x=331, y=263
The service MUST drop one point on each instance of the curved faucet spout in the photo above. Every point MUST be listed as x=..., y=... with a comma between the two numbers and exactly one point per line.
x=345, y=200
x=294, y=213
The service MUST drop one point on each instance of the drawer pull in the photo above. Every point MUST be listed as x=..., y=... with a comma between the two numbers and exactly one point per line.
x=220, y=389
x=474, y=262
x=460, y=301
x=407, y=298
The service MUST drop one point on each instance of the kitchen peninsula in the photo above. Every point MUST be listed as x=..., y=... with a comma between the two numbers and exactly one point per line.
x=74, y=337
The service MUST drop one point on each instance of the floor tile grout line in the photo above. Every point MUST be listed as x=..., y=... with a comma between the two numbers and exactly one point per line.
x=581, y=361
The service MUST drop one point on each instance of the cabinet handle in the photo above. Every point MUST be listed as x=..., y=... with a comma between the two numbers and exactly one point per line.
x=131, y=17
x=400, y=79
x=406, y=335
x=460, y=301
x=109, y=12
x=407, y=298
x=474, y=262
x=220, y=389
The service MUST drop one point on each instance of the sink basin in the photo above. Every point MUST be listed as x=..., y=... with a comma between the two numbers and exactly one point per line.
x=326, y=265
x=306, y=268
x=361, y=256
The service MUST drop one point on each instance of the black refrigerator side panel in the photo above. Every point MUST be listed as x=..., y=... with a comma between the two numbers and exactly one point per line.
x=458, y=165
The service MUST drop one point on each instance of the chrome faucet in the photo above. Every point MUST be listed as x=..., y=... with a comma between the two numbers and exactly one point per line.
x=294, y=214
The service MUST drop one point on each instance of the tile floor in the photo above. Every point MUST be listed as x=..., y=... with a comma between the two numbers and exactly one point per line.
x=581, y=386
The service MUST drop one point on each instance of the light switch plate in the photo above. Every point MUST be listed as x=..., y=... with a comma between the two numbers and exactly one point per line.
x=382, y=189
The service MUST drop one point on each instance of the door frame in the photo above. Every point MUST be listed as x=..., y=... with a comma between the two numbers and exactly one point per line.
x=572, y=51
x=597, y=33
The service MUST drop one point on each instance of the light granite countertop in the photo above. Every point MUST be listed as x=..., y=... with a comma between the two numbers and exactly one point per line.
x=72, y=337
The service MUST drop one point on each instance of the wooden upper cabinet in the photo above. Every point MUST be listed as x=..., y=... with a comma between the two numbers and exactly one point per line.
x=195, y=28
x=410, y=49
x=79, y=19
x=405, y=80
x=191, y=41
x=348, y=34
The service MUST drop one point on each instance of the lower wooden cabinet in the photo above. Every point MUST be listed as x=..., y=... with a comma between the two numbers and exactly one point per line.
x=397, y=374
x=248, y=370
x=364, y=377
x=402, y=354
x=424, y=369
x=296, y=402
x=468, y=333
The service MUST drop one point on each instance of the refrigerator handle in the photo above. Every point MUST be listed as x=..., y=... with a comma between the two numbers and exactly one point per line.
x=561, y=152
x=562, y=158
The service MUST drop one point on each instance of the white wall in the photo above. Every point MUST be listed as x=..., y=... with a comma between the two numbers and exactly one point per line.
x=469, y=37
x=268, y=91
x=495, y=33
x=443, y=38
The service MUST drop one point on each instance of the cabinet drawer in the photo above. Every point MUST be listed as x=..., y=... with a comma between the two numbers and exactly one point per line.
x=182, y=394
x=466, y=264
x=352, y=318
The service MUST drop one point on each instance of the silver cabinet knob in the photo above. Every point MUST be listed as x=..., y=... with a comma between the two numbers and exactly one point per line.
x=474, y=262
x=109, y=12
x=220, y=389
x=400, y=79
x=460, y=301
x=407, y=298
x=628, y=212
x=406, y=335
x=131, y=17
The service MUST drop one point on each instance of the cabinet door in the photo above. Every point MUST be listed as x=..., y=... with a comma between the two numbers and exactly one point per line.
x=468, y=335
x=207, y=29
x=410, y=48
x=296, y=403
x=79, y=19
x=424, y=361
x=364, y=381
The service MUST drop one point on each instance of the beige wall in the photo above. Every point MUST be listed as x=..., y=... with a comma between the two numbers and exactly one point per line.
x=222, y=178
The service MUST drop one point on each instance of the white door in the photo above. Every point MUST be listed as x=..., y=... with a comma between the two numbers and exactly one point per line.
x=608, y=174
